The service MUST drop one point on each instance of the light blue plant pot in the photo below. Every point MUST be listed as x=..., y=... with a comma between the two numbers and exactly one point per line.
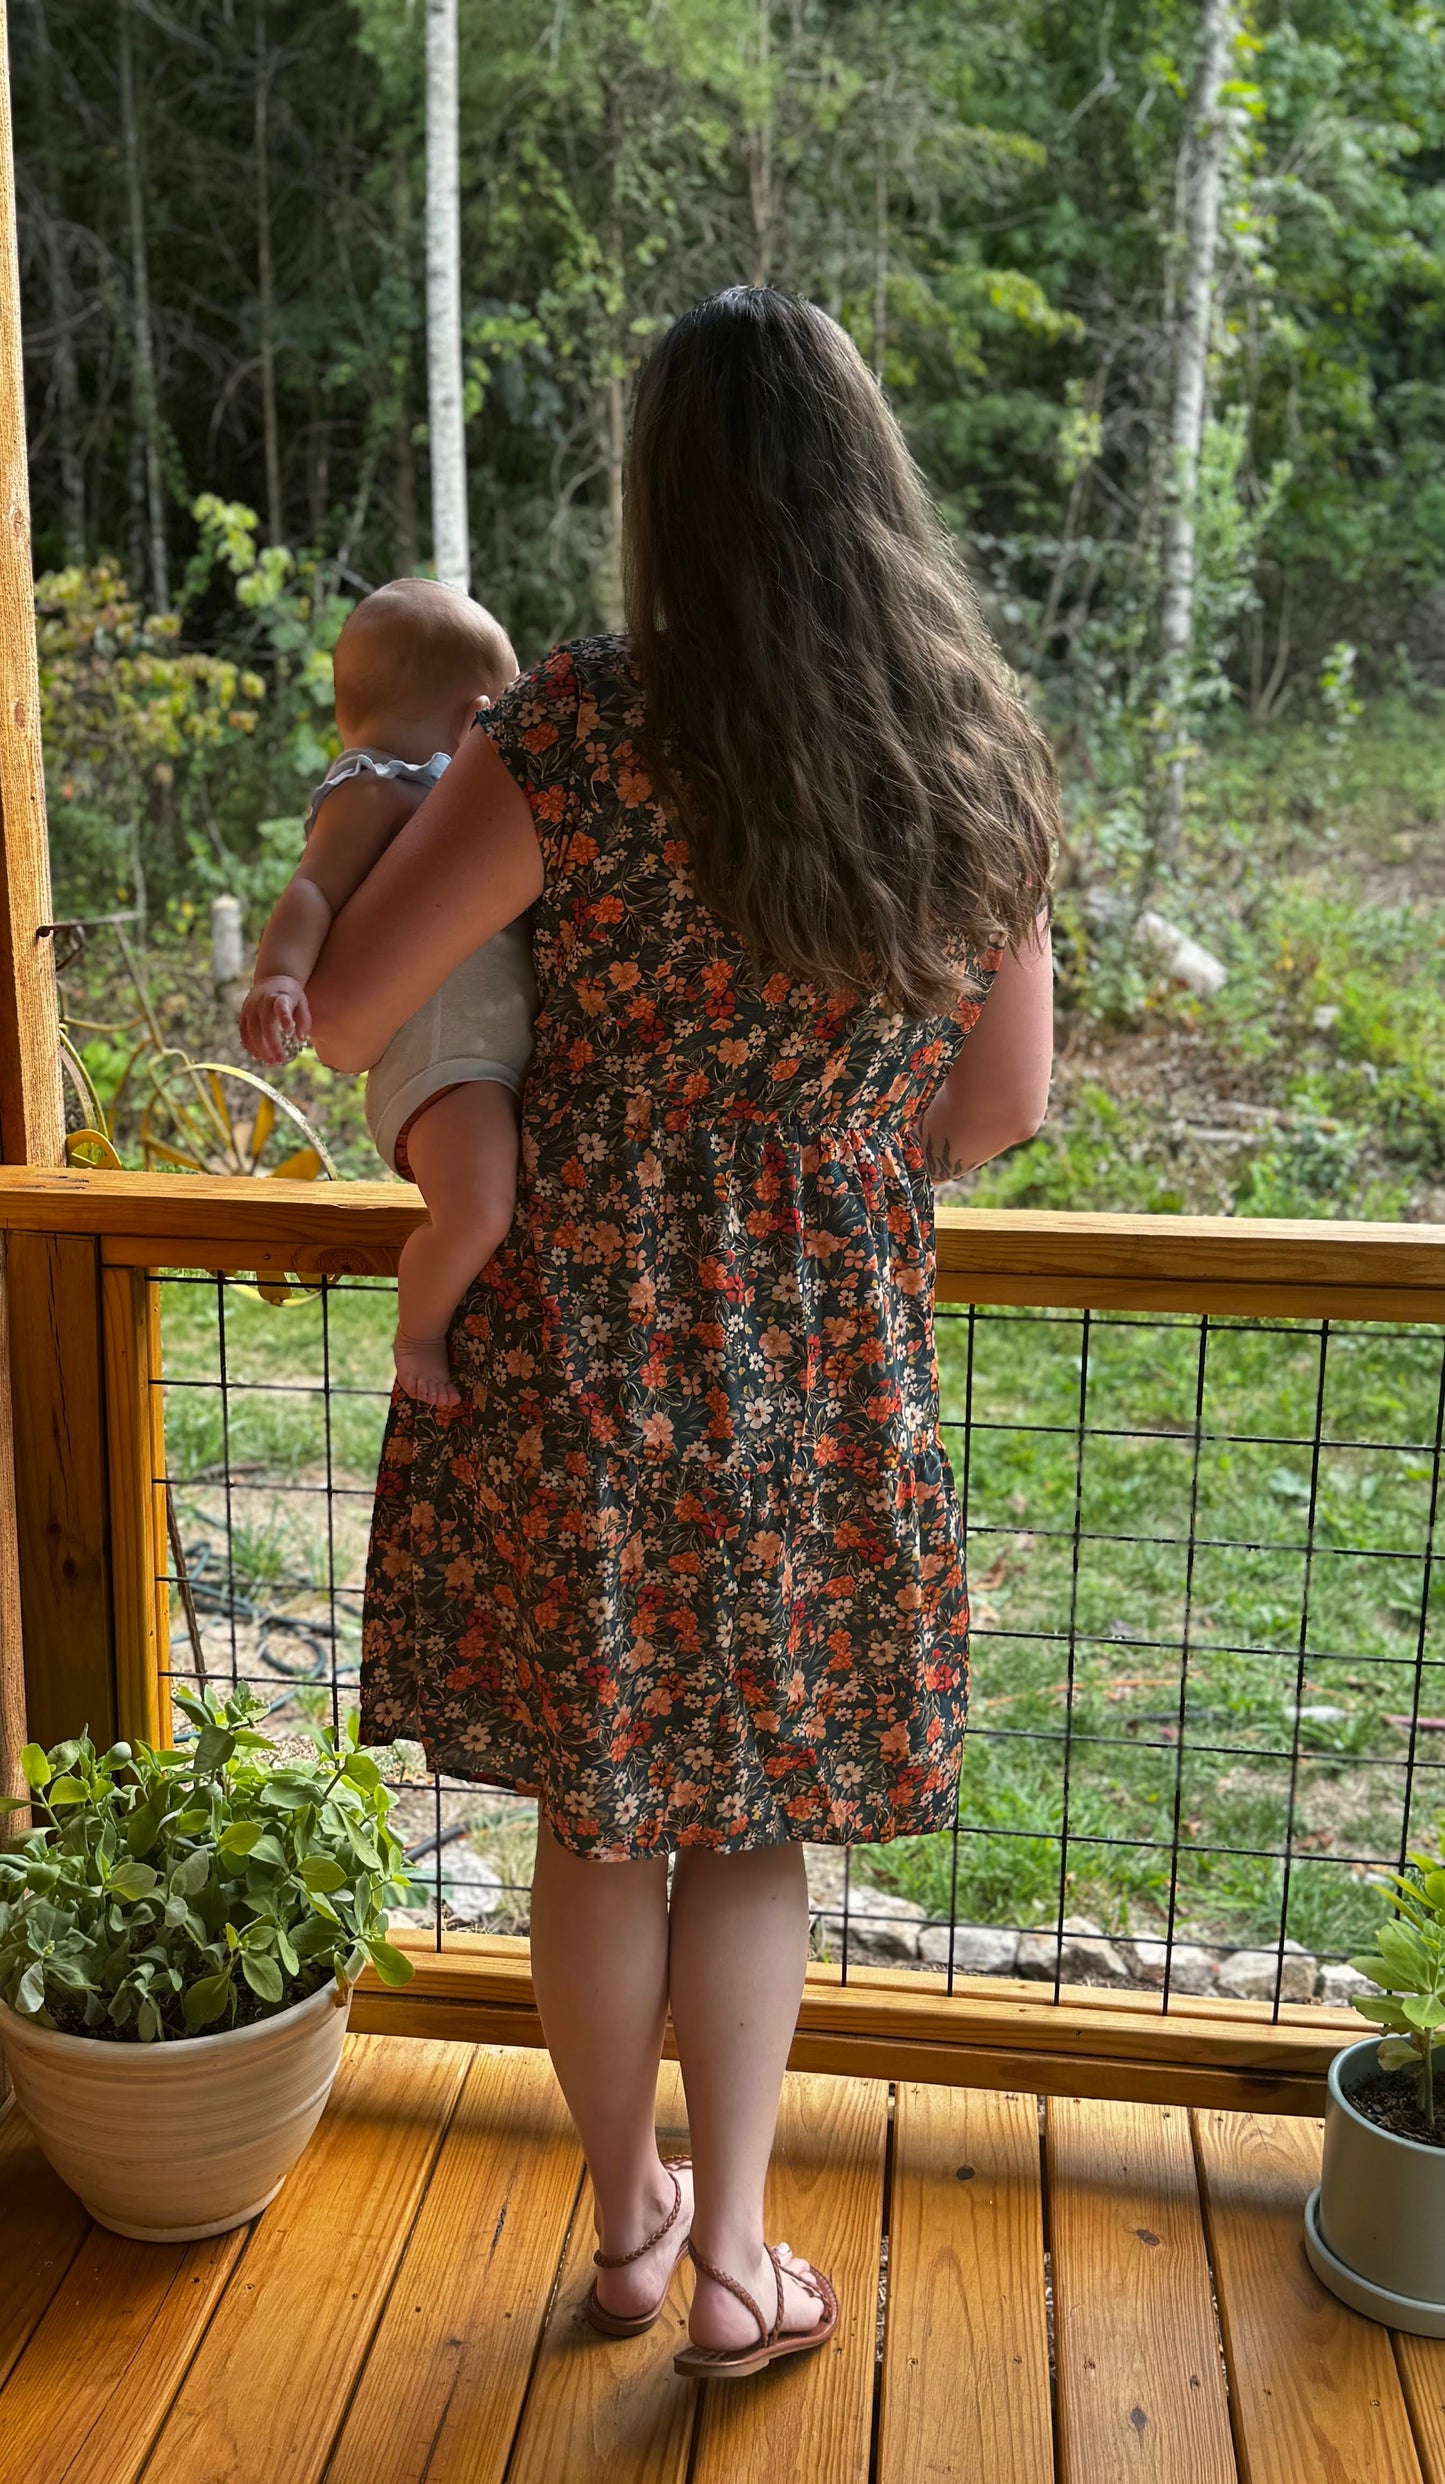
x=1375, y=2228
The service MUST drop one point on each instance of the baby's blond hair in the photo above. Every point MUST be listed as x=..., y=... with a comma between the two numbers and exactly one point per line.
x=415, y=646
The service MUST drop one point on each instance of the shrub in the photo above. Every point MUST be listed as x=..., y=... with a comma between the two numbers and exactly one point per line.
x=1408, y=1962
x=166, y=1893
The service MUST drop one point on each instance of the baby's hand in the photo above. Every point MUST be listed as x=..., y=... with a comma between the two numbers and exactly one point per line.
x=275, y=1019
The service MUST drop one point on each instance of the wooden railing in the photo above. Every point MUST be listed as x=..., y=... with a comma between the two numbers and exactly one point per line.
x=85, y=1353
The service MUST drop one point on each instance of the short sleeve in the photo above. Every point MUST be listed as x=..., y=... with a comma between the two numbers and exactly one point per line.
x=535, y=726
x=979, y=969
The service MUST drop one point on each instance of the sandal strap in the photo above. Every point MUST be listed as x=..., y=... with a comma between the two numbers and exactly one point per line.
x=740, y=2293
x=624, y=2259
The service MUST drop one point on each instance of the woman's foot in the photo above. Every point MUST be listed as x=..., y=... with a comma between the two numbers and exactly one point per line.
x=719, y=2321
x=423, y=1370
x=640, y=2286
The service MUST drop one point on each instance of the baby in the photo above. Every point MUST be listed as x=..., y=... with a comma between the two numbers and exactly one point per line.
x=412, y=665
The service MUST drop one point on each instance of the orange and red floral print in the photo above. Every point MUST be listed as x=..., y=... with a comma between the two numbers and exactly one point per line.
x=687, y=1559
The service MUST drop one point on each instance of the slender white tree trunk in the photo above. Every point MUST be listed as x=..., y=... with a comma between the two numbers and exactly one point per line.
x=759, y=145
x=445, y=419
x=1200, y=191
x=143, y=361
x=266, y=285
x=880, y=246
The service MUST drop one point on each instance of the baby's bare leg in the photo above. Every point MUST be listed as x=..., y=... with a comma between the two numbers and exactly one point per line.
x=463, y=1155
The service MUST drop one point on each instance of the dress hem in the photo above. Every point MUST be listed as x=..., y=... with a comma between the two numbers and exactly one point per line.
x=444, y=1762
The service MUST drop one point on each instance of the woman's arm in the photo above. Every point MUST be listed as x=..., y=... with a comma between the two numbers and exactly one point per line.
x=465, y=864
x=998, y=1090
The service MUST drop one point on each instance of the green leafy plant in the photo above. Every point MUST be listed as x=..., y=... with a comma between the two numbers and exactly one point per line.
x=168, y=1893
x=1408, y=1963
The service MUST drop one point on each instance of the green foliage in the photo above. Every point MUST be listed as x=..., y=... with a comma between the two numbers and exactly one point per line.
x=988, y=199
x=178, y=1892
x=1350, y=999
x=1408, y=1963
x=1105, y=1156
x=127, y=715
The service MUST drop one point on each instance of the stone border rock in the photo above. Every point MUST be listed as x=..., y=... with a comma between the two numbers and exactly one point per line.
x=886, y=1929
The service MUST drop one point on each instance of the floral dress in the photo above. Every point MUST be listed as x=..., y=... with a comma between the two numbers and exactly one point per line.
x=686, y=1561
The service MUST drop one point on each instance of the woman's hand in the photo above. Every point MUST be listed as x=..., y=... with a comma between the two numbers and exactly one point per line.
x=997, y=1092
x=466, y=864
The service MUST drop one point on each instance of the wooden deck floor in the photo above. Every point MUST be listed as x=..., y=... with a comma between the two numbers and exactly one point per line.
x=1111, y=2292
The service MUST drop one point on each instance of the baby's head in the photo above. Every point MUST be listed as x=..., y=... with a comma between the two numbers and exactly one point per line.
x=415, y=660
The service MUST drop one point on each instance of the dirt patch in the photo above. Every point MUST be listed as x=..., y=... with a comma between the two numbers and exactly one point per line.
x=1391, y=2099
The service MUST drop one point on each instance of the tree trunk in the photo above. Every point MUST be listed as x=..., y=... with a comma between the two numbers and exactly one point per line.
x=613, y=597
x=266, y=286
x=62, y=310
x=760, y=154
x=318, y=464
x=404, y=527
x=1199, y=191
x=445, y=413
x=143, y=363
x=880, y=244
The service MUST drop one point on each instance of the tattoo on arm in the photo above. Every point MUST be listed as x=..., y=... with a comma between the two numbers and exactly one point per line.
x=945, y=1163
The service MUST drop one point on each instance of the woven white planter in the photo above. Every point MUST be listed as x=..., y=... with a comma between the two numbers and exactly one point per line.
x=168, y=2142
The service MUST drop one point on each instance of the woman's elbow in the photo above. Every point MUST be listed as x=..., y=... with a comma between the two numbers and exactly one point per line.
x=1015, y=1132
x=1032, y=1113
x=1014, y=1121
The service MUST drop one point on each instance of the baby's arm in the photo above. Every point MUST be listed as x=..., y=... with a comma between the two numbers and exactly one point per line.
x=352, y=830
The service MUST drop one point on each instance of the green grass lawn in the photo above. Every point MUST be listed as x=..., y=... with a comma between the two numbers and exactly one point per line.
x=1077, y=1666
x=1079, y=1685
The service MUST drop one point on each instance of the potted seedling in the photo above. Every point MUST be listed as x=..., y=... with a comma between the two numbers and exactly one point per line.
x=1375, y=2228
x=179, y=1935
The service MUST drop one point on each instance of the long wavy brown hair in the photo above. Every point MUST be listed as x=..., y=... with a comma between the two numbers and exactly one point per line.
x=867, y=799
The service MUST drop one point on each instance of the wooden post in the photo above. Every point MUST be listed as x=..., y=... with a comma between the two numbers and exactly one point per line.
x=12, y=1676
x=140, y=1600
x=62, y=1492
x=53, y=1502
x=32, y=1124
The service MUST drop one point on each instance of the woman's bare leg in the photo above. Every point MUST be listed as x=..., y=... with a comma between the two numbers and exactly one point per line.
x=599, y=1967
x=739, y=1944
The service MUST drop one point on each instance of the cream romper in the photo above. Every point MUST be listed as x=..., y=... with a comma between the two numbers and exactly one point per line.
x=479, y=1025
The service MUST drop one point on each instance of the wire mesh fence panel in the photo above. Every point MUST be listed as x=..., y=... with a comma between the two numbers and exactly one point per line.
x=1207, y=1707
x=273, y=1422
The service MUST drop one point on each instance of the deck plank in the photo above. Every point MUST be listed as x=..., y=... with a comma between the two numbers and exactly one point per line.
x=1140, y=2386
x=443, y=2385
x=608, y=2410
x=1313, y=2387
x=266, y=2393
x=966, y=2359
x=1420, y=2362
x=811, y=2418
x=44, y=2228
x=111, y=2352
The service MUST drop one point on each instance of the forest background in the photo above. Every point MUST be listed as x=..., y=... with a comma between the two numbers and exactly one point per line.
x=224, y=236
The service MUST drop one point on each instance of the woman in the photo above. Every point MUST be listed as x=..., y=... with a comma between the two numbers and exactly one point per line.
x=687, y=1561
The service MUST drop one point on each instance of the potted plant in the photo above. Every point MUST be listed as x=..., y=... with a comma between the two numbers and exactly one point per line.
x=179, y=1935
x=1375, y=2228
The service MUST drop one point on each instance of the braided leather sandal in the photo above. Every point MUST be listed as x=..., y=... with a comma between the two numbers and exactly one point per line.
x=736, y=2362
x=635, y=2324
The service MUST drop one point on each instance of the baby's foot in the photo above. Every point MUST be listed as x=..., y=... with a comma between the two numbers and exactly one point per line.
x=423, y=1370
